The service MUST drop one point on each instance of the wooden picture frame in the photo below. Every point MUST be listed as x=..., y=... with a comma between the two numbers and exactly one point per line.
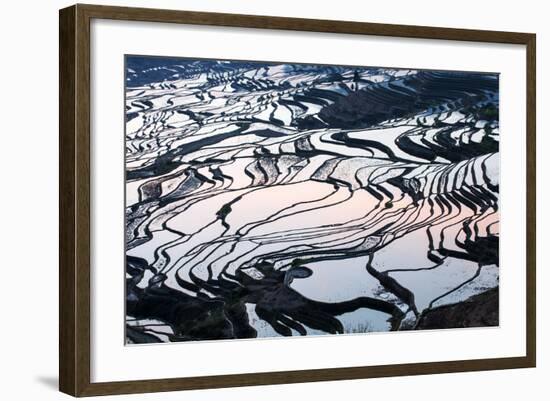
x=74, y=199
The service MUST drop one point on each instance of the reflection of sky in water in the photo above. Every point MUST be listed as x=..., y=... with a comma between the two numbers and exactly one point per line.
x=232, y=166
x=344, y=280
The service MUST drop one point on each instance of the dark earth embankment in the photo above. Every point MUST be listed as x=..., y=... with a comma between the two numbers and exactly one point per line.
x=478, y=311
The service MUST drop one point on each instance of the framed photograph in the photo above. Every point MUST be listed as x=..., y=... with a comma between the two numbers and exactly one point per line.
x=250, y=200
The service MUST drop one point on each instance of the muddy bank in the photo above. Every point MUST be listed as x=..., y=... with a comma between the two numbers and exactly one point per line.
x=478, y=311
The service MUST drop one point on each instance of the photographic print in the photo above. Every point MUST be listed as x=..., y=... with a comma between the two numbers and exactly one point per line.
x=269, y=199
